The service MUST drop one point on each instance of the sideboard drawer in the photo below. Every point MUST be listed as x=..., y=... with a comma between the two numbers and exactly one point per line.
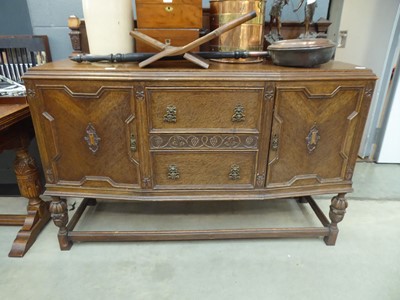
x=204, y=169
x=191, y=108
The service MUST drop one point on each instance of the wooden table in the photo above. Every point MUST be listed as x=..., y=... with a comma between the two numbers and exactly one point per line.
x=16, y=132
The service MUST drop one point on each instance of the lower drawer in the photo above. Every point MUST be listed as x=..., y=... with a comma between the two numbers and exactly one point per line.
x=190, y=170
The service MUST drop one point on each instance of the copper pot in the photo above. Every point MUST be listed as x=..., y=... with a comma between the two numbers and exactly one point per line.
x=248, y=36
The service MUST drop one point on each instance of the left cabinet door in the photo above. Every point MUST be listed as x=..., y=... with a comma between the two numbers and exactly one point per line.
x=87, y=133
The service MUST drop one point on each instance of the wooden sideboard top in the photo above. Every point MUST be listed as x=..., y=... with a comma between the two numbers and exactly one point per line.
x=186, y=70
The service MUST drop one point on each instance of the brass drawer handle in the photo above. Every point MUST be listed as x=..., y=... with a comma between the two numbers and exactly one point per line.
x=170, y=115
x=169, y=8
x=234, y=174
x=238, y=115
x=173, y=172
x=133, y=143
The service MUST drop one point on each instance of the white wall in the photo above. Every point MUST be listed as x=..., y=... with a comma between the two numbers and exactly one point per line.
x=390, y=148
x=370, y=26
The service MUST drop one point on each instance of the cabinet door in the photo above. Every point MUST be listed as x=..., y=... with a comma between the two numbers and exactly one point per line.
x=88, y=134
x=316, y=132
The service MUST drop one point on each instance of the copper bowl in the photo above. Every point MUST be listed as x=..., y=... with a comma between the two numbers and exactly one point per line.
x=301, y=52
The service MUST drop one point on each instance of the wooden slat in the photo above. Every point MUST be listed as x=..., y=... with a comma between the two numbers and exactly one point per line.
x=321, y=216
x=179, y=235
x=81, y=208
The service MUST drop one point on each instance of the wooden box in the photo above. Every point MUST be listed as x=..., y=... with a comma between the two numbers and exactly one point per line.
x=175, y=37
x=169, y=13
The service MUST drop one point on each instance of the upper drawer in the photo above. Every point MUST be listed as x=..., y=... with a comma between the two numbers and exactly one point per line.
x=191, y=108
x=169, y=13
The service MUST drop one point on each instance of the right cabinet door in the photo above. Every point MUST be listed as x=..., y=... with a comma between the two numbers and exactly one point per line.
x=316, y=132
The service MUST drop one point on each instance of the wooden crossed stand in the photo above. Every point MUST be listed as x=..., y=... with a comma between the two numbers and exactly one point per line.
x=168, y=50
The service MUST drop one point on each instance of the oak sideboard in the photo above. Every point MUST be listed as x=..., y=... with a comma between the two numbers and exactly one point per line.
x=174, y=132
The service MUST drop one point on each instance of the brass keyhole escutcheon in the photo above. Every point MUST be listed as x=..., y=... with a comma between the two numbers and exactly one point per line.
x=91, y=138
x=312, y=138
x=169, y=8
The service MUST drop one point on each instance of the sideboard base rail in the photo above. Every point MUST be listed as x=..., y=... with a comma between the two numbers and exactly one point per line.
x=67, y=236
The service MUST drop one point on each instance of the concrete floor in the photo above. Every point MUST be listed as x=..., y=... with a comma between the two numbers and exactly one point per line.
x=364, y=264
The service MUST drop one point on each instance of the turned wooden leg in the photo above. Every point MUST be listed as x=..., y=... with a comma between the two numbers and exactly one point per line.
x=59, y=214
x=336, y=214
x=37, y=211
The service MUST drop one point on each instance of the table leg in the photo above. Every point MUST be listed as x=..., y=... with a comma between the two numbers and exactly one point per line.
x=37, y=211
x=59, y=214
x=336, y=214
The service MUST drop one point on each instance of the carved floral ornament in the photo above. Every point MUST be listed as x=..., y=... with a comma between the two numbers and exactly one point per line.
x=269, y=92
x=204, y=141
x=260, y=179
x=139, y=94
x=30, y=93
x=369, y=91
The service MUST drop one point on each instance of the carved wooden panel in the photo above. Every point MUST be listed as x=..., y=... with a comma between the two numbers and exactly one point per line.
x=204, y=169
x=204, y=141
x=313, y=132
x=88, y=134
x=194, y=108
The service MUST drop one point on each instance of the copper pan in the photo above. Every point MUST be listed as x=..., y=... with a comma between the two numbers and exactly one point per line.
x=301, y=52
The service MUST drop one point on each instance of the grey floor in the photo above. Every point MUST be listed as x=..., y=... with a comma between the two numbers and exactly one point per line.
x=364, y=264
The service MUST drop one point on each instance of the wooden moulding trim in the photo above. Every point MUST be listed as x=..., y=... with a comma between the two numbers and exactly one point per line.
x=193, y=195
x=179, y=235
x=187, y=76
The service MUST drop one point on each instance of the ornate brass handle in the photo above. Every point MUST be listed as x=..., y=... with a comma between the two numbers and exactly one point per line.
x=234, y=174
x=173, y=172
x=133, y=142
x=238, y=115
x=170, y=115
